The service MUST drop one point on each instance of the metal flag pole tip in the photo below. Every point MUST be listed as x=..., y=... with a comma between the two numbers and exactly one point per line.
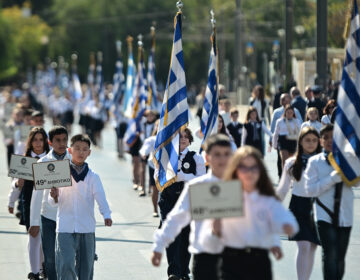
x=213, y=21
x=140, y=37
x=179, y=5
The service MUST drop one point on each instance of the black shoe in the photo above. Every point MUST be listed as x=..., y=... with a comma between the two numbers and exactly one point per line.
x=42, y=273
x=32, y=276
x=173, y=277
x=185, y=277
x=18, y=215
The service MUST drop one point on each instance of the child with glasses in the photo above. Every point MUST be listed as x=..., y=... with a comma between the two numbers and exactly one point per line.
x=249, y=238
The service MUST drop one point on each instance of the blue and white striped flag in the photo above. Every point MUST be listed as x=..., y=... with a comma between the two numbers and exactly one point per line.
x=139, y=103
x=130, y=80
x=77, y=92
x=210, y=111
x=346, y=139
x=119, y=80
x=153, y=103
x=173, y=117
x=100, y=82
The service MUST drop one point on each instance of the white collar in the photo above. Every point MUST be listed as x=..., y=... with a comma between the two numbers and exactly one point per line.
x=252, y=195
x=36, y=155
x=211, y=175
x=184, y=152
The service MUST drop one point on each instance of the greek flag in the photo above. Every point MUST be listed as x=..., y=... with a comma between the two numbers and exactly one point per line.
x=119, y=81
x=138, y=105
x=153, y=103
x=76, y=86
x=173, y=117
x=346, y=143
x=130, y=79
x=210, y=109
x=100, y=83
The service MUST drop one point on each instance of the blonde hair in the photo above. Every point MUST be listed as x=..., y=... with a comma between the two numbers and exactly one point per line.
x=263, y=185
x=312, y=109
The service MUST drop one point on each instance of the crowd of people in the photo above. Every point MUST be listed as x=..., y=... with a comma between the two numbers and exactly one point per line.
x=61, y=223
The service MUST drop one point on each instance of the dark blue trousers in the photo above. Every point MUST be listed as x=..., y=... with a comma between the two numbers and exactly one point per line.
x=48, y=236
x=177, y=253
x=334, y=243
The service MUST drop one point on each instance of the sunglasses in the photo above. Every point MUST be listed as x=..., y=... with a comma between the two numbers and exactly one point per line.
x=245, y=169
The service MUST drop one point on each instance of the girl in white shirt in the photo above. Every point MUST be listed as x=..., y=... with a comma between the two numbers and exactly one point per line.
x=286, y=133
x=312, y=119
x=36, y=146
x=301, y=204
x=248, y=239
x=327, y=112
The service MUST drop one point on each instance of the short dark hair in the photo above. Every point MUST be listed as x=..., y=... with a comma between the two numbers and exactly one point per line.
x=57, y=130
x=189, y=135
x=80, y=138
x=217, y=140
x=326, y=128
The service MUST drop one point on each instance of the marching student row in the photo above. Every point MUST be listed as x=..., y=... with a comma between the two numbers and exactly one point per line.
x=238, y=248
x=60, y=222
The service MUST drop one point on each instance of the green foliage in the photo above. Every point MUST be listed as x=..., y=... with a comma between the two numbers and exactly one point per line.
x=84, y=26
x=24, y=39
x=7, y=56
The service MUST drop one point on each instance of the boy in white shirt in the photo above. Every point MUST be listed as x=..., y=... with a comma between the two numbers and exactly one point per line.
x=334, y=207
x=218, y=152
x=41, y=212
x=75, y=222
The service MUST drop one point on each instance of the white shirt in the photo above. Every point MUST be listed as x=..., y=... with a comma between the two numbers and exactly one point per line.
x=287, y=181
x=320, y=180
x=39, y=200
x=326, y=119
x=226, y=117
x=76, y=205
x=147, y=149
x=316, y=124
x=179, y=217
x=278, y=113
x=263, y=221
x=200, y=167
x=281, y=128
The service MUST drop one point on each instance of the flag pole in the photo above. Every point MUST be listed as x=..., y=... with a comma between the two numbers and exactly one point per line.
x=152, y=34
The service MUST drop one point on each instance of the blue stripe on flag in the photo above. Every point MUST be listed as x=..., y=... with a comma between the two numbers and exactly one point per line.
x=356, y=36
x=177, y=35
x=351, y=91
x=342, y=162
x=173, y=156
x=348, y=130
x=348, y=59
x=170, y=129
x=180, y=57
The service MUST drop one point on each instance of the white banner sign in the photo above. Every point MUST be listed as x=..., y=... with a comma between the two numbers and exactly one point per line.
x=52, y=174
x=216, y=200
x=21, y=167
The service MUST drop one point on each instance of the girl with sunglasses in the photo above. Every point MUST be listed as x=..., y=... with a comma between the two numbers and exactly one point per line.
x=248, y=239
